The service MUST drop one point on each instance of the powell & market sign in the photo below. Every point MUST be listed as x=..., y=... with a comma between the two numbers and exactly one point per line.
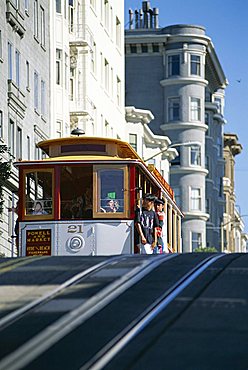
x=38, y=242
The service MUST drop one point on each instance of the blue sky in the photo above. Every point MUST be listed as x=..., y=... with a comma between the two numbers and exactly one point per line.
x=226, y=22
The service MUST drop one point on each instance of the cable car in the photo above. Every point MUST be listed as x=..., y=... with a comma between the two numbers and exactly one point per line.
x=81, y=198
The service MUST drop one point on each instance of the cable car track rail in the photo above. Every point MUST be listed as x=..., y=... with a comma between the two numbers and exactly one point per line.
x=111, y=349
x=42, y=341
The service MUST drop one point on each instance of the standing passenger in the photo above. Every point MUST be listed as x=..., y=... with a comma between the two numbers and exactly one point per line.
x=159, y=209
x=16, y=228
x=146, y=222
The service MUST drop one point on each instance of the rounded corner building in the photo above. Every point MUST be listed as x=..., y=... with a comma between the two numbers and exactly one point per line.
x=175, y=73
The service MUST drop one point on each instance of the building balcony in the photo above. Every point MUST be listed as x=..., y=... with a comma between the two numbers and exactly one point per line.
x=80, y=36
x=16, y=99
x=15, y=18
x=81, y=107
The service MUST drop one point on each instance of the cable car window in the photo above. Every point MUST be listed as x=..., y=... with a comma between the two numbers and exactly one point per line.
x=110, y=197
x=111, y=192
x=76, y=192
x=39, y=193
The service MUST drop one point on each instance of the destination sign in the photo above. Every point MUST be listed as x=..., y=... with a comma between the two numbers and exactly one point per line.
x=38, y=242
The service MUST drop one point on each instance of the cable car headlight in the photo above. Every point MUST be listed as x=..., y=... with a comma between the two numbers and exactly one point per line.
x=75, y=243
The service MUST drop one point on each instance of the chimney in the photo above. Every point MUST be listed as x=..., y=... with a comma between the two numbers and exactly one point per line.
x=145, y=8
x=130, y=19
x=140, y=18
x=151, y=18
x=136, y=19
x=155, y=17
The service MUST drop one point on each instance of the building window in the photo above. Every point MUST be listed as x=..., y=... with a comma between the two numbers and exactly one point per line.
x=118, y=94
x=219, y=105
x=106, y=125
x=155, y=48
x=207, y=118
x=1, y=124
x=43, y=98
x=17, y=67
x=196, y=199
x=93, y=58
x=58, y=6
x=106, y=14
x=144, y=48
x=36, y=18
x=58, y=66
x=66, y=70
x=111, y=29
x=118, y=32
x=177, y=194
x=174, y=109
x=26, y=5
x=195, y=65
x=195, y=155
x=173, y=65
x=220, y=186
x=133, y=49
x=59, y=127
x=93, y=3
x=28, y=147
x=19, y=143
x=15, y=3
x=11, y=141
x=133, y=141
x=10, y=62
x=207, y=163
x=208, y=95
x=71, y=16
x=195, y=109
x=36, y=90
x=27, y=75
x=106, y=74
x=219, y=146
x=196, y=240
x=208, y=206
x=38, y=151
x=65, y=9
x=72, y=78
x=42, y=27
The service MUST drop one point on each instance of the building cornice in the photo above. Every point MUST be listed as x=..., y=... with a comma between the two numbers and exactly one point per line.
x=184, y=125
x=135, y=115
x=185, y=170
x=196, y=215
x=184, y=80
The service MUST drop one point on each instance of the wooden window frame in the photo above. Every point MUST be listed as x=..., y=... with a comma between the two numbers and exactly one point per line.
x=96, y=185
x=32, y=217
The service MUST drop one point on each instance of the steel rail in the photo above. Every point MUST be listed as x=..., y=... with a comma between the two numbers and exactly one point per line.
x=37, y=345
x=111, y=349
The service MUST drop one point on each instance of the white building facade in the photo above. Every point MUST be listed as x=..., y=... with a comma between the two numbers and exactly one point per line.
x=24, y=94
x=87, y=79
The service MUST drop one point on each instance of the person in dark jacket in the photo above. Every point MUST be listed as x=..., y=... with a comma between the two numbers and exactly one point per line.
x=146, y=222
